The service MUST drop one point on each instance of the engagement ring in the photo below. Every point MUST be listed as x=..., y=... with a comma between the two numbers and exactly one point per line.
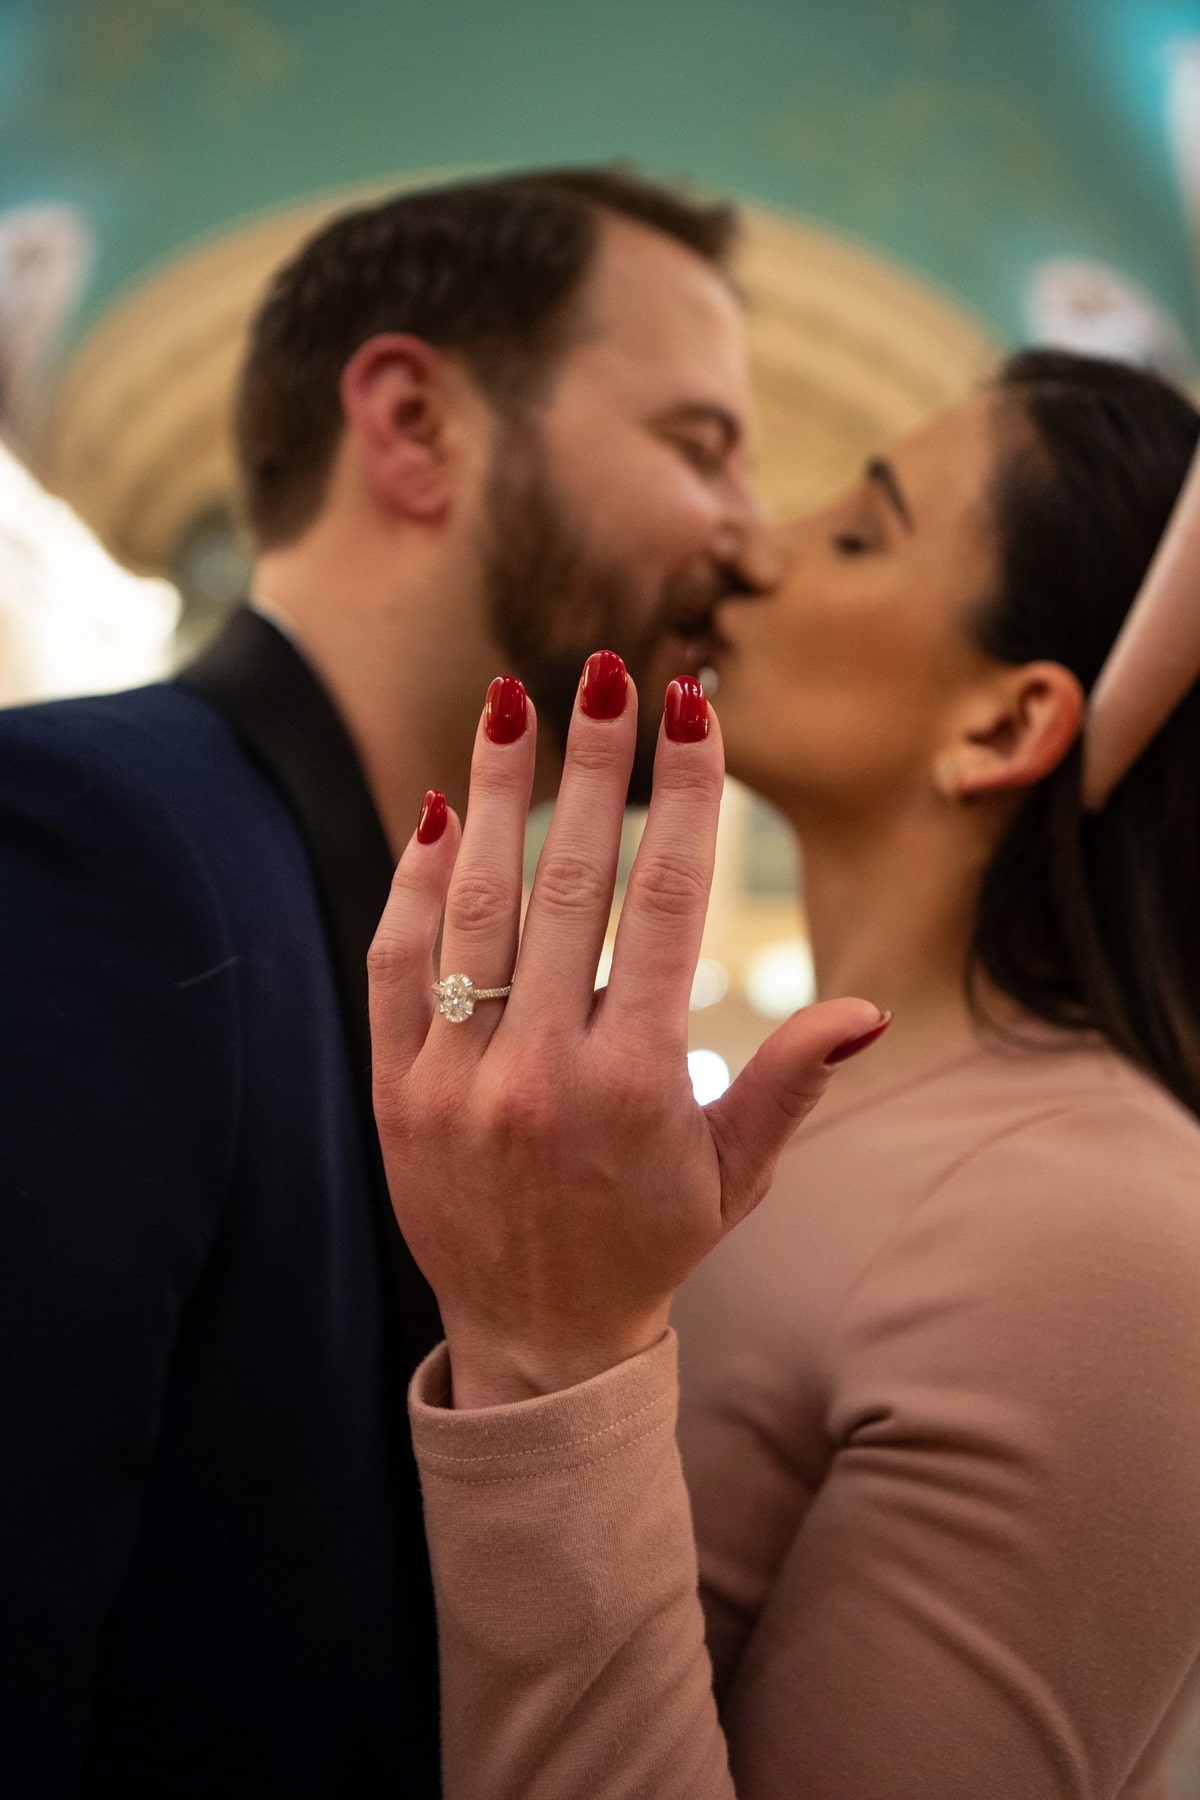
x=457, y=995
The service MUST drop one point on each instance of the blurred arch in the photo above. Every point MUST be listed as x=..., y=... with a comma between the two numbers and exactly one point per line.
x=849, y=351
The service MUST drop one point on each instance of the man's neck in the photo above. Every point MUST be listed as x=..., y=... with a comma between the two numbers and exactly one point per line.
x=403, y=665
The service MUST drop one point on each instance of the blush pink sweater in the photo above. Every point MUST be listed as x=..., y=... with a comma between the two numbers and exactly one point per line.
x=939, y=1423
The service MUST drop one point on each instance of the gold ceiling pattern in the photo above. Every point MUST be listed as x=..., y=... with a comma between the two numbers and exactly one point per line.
x=849, y=353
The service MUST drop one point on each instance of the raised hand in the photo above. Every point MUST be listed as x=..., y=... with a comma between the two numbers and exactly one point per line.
x=548, y=1163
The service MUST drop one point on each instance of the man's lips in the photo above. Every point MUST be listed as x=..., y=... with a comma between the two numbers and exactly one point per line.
x=690, y=655
x=695, y=643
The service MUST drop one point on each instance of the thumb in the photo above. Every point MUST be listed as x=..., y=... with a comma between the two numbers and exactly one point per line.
x=754, y=1119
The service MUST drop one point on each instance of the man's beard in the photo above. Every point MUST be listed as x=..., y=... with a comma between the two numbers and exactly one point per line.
x=553, y=597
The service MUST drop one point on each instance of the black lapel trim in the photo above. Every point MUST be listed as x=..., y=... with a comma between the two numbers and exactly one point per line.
x=284, y=718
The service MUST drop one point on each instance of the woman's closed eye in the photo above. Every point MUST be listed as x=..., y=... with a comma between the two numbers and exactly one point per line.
x=856, y=541
x=868, y=515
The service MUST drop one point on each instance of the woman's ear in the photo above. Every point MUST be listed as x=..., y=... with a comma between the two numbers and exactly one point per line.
x=395, y=397
x=1014, y=734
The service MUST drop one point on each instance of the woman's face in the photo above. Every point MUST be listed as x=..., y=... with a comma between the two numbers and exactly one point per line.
x=839, y=688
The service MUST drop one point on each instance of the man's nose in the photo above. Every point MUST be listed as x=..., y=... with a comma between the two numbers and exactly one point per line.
x=753, y=552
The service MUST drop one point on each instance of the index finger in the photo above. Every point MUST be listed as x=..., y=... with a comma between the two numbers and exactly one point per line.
x=662, y=919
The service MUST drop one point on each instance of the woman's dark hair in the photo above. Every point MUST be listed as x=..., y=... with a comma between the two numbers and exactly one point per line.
x=489, y=270
x=1093, y=921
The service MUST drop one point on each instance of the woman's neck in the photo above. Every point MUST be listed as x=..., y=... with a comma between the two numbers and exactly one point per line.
x=891, y=907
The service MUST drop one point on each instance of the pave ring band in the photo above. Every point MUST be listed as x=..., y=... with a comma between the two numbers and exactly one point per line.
x=457, y=996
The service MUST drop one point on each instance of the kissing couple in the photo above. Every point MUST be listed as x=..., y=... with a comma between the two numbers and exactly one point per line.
x=924, y=1523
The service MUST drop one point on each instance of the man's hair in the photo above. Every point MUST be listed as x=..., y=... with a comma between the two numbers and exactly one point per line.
x=487, y=270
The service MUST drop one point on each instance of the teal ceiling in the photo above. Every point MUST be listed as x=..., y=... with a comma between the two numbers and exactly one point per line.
x=967, y=138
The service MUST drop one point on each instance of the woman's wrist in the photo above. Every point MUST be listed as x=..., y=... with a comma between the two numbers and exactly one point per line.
x=488, y=1369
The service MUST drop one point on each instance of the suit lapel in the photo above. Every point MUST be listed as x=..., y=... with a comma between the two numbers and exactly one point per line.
x=287, y=723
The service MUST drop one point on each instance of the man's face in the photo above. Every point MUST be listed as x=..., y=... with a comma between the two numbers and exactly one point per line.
x=617, y=513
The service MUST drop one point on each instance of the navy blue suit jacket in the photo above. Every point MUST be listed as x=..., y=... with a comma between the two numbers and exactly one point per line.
x=212, y=1572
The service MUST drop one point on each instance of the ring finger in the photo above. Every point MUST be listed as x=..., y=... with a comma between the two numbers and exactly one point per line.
x=483, y=907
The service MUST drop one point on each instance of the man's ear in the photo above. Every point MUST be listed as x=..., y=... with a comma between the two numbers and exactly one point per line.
x=1014, y=734
x=395, y=398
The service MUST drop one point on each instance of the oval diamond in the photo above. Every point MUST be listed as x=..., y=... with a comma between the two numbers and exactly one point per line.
x=456, y=995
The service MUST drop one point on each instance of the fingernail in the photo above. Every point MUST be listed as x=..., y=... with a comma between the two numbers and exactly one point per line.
x=853, y=1045
x=686, y=711
x=505, y=713
x=603, y=688
x=432, y=822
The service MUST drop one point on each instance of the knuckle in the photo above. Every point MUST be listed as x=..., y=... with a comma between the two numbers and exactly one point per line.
x=393, y=954
x=797, y=1100
x=478, y=902
x=691, y=778
x=635, y=1102
x=492, y=778
x=523, y=1108
x=791, y=1089
x=409, y=881
x=566, y=882
x=595, y=755
x=669, y=887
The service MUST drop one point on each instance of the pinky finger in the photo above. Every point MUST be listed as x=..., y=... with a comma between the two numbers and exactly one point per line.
x=400, y=961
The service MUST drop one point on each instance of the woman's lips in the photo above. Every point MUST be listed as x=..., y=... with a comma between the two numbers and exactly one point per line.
x=697, y=651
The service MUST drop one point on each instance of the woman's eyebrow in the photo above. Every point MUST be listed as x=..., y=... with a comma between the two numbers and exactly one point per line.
x=883, y=474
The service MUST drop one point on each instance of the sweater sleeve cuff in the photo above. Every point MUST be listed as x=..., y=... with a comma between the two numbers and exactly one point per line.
x=529, y=1439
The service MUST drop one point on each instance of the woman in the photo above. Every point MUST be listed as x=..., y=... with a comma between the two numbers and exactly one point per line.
x=938, y=1392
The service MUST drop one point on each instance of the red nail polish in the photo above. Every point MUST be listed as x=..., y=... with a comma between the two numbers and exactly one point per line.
x=686, y=712
x=603, y=688
x=505, y=714
x=853, y=1045
x=432, y=822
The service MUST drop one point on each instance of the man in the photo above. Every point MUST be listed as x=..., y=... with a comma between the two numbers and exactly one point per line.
x=501, y=423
